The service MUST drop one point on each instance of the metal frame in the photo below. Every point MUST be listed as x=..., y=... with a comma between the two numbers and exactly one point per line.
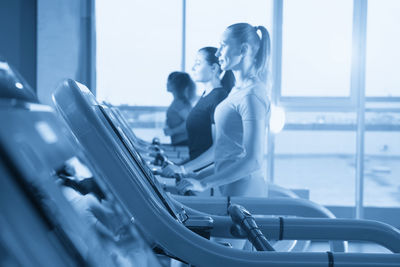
x=276, y=76
x=358, y=85
x=321, y=229
x=322, y=103
x=306, y=103
x=356, y=102
x=183, y=59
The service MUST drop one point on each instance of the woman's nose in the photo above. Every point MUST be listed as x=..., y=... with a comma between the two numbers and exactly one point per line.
x=217, y=54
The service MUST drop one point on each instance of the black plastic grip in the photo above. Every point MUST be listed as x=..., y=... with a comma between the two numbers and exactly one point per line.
x=243, y=218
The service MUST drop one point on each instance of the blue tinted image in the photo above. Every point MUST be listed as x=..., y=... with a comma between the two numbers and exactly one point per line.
x=200, y=133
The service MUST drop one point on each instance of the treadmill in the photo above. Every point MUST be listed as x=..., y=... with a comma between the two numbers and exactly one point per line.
x=44, y=222
x=169, y=224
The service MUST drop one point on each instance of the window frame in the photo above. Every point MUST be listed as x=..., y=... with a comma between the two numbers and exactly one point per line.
x=306, y=103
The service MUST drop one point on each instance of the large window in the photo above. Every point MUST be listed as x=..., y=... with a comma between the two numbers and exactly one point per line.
x=317, y=68
x=138, y=45
x=383, y=53
x=382, y=147
x=316, y=150
x=316, y=48
x=319, y=161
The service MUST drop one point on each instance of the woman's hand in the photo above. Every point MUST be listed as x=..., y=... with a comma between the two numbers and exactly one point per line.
x=189, y=184
x=170, y=170
x=167, y=131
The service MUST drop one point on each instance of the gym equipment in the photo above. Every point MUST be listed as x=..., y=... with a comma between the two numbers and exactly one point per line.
x=138, y=190
x=44, y=223
x=242, y=217
x=45, y=228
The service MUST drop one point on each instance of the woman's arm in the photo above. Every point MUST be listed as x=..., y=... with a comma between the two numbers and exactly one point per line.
x=181, y=128
x=204, y=159
x=176, y=120
x=253, y=142
x=207, y=171
x=254, y=133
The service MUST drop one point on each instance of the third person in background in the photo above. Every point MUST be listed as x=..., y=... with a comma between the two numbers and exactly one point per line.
x=183, y=90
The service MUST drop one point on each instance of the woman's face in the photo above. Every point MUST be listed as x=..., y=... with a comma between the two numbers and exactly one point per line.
x=170, y=87
x=202, y=71
x=229, y=54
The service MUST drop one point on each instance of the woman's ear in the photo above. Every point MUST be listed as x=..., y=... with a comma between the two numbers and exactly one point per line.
x=215, y=67
x=245, y=49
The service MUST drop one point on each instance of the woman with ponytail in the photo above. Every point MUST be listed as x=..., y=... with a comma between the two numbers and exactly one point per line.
x=241, y=119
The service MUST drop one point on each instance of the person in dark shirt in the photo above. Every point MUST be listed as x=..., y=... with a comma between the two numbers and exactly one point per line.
x=199, y=124
x=183, y=89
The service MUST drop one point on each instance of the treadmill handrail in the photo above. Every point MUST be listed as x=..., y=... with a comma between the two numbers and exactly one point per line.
x=317, y=229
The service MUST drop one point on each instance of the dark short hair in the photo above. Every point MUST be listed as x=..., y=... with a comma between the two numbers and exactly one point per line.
x=182, y=85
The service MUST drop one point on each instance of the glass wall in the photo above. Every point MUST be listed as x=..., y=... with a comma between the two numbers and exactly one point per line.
x=383, y=53
x=138, y=44
x=316, y=48
x=382, y=143
x=316, y=150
